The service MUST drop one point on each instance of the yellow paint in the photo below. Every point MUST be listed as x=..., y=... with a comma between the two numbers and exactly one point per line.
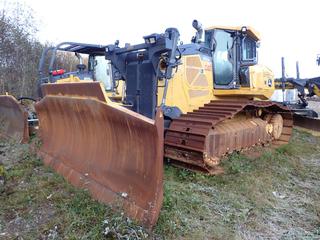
x=69, y=79
x=316, y=90
x=192, y=85
x=260, y=78
x=250, y=30
x=182, y=88
x=188, y=93
x=116, y=95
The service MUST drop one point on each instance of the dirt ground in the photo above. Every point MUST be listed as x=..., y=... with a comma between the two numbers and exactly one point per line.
x=264, y=194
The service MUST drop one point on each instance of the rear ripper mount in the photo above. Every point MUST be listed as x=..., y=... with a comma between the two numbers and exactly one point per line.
x=197, y=140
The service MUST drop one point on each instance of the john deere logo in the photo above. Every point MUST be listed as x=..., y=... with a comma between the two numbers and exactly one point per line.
x=269, y=82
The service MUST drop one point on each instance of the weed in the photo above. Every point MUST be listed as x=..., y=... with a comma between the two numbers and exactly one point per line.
x=273, y=195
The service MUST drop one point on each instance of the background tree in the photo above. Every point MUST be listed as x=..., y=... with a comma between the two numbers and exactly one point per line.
x=20, y=51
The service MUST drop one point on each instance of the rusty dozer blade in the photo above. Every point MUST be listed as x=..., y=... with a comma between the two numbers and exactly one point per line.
x=312, y=124
x=13, y=119
x=115, y=153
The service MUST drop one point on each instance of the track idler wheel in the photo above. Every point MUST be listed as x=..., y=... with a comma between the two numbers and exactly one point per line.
x=275, y=125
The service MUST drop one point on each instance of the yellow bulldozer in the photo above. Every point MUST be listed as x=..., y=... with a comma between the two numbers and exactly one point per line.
x=108, y=125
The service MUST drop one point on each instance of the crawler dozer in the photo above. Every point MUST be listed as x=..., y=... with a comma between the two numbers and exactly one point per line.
x=191, y=103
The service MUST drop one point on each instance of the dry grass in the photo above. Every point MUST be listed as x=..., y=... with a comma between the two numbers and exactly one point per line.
x=274, y=194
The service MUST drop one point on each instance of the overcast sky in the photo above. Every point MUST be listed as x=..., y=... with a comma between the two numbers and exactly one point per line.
x=287, y=28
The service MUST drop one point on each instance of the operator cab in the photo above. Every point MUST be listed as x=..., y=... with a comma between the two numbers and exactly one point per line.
x=233, y=51
x=73, y=62
x=101, y=71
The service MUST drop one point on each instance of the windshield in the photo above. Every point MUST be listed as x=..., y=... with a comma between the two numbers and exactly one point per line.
x=223, y=67
x=102, y=72
x=208, y=39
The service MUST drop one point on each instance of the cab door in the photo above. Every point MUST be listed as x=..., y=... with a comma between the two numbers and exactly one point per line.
x=223, y=60
x=248, y=58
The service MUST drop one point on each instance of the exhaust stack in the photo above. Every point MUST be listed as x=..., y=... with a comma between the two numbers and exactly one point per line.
x=198, y=26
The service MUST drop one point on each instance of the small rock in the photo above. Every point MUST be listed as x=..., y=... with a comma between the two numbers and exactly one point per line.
x=106, y=231
x=53, y=233
x=48, y=197
x=105, y=221
x=124, y=195
x=278, y=195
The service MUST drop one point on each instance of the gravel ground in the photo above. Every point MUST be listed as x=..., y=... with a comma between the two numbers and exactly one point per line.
x=314, y=104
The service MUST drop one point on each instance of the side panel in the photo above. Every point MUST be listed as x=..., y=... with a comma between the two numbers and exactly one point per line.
x=192, y=84
x=261, y=85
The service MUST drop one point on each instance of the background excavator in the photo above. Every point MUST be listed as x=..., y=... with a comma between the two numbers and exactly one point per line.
x=191, y=103
x=295, y=92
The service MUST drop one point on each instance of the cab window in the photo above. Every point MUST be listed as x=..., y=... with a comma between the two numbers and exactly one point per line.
x=208, y=39
x=249, y=52
x=222, y=59
x=102, y=72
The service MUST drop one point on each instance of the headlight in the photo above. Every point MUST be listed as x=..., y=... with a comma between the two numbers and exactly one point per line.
x=150, y=40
